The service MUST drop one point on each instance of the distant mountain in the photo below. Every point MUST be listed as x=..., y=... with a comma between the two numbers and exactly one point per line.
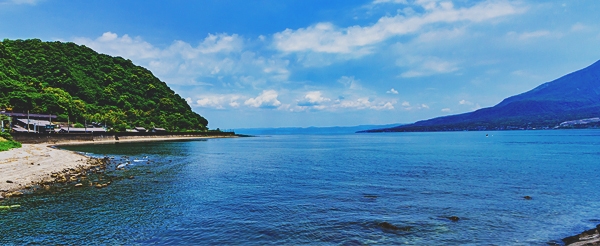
x=571, y=97
x=309, y=130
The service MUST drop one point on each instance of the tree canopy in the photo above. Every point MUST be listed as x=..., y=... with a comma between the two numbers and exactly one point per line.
x=74, y=81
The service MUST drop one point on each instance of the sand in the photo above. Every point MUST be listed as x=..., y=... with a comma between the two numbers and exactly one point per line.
x=32, y=163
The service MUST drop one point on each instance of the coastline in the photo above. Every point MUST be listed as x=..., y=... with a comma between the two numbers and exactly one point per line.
x=35, y=164
x=137, y=139
x=589, y=237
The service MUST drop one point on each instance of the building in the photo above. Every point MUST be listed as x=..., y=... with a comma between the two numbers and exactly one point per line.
x=31, y=125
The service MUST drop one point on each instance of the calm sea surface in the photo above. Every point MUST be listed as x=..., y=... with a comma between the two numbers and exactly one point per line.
x=320, y=189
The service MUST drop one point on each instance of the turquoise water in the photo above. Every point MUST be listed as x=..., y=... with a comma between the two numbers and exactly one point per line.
x=319, y=189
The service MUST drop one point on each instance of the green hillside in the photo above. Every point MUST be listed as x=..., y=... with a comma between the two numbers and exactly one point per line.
x=74, y=81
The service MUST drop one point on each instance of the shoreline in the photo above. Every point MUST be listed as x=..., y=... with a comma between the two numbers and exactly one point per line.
x=36, y=164
x=589, y=237
x=135, y=139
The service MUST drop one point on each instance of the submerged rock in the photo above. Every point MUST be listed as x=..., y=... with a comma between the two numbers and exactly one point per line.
x=454, y=218
x=527, y=198
x=389, y=226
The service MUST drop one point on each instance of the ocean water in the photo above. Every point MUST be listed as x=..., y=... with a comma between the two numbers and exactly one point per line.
x=327, y=190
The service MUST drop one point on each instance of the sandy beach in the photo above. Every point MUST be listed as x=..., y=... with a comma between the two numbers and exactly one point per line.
x=36, y=162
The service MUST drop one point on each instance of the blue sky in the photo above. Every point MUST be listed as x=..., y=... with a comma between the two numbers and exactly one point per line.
x=323, y=63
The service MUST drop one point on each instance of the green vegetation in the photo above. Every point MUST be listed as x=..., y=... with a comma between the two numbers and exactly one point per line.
x=77, y=84
x=7, y=142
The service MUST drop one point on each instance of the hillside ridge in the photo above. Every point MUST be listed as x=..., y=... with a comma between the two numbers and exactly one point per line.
x=79, y=84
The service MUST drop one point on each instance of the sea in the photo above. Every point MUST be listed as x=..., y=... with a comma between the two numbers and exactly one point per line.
x=440, y=188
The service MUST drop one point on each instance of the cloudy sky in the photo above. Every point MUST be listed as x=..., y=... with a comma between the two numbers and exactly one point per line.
x=279, y=63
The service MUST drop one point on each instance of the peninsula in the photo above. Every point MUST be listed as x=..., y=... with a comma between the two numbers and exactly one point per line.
x=572, y=101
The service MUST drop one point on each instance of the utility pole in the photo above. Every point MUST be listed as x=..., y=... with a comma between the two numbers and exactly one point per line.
x=27, y=121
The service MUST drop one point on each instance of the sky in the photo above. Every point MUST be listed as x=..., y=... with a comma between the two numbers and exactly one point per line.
x=300, y=63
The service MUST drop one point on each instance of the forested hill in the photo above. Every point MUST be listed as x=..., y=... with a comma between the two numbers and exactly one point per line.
x=74, y=81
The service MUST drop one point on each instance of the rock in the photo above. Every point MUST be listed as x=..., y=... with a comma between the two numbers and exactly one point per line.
x=454, y=218
x=388, y=226
x=79, y=185
x=1, y=198
x=14, y=194
x=99, y=186
x=527, y=197
x=131, y=177
x=8, y=181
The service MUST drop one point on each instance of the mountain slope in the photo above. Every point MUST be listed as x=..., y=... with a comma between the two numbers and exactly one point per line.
x=573, y=96
x=75, y=82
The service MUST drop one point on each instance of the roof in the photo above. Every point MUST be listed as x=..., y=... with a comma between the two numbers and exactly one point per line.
x=35, y=122
x=46, y=116
x=19, y=129
x=78, y=130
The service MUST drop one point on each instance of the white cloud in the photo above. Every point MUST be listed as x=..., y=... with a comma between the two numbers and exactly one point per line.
x=350, y=82
x=446, y=110
x=314, y=98
x=392, y=91
x=405, y=104
x=424, y=106
x=425, y=66
x=579, y=27
x=30, y=2
x=365, y=103
x=218, y=101
x=464, y=102
x=390, y=1
x=125, y=46
x=532, y=35
x=326, y=38
x=267, y=99
x=216, y=56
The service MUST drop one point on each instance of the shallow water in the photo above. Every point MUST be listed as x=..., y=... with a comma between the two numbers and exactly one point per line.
x=318, y=189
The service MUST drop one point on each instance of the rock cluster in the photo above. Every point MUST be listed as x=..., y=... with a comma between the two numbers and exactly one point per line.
x=589, y=237
x=64, y=177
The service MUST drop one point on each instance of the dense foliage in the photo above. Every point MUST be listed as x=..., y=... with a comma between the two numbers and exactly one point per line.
x=6, y=142
x=75, y=82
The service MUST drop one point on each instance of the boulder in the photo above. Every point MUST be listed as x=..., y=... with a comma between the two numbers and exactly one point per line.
x=454, y=218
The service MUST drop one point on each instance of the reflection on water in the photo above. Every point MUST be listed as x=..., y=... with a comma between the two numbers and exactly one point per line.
x=344, y=189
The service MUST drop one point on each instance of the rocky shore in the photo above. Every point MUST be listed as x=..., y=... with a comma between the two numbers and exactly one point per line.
x=589, y=237
x=40, y=166
x=36, y=166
